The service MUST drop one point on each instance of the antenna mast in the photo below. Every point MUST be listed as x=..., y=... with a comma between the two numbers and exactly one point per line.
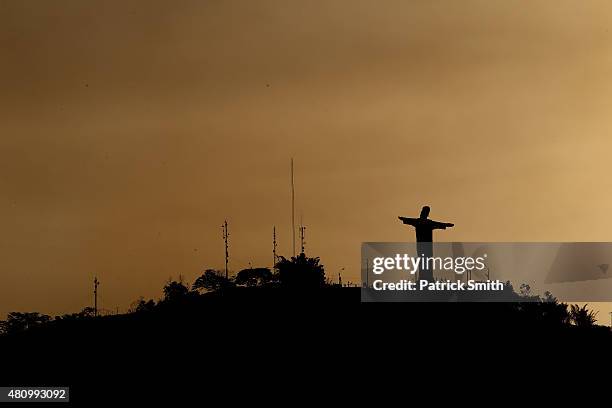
x=302, y=236
x=96, y=283
x=292, y=208
x=225, y=238
x=274, y=247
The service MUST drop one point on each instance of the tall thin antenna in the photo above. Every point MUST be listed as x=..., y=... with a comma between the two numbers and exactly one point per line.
x=292, y=209
x=302, y=237
x=225, y=239
x=274, y=247
x=96, y=283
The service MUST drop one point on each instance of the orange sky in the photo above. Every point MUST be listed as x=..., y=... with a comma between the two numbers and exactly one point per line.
x=131, y=129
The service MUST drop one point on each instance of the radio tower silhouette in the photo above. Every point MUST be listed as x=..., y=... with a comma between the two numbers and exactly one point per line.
x=292, y=209
x=274, y=247
x=225, y=240
x=96, y=283
x=302, y=238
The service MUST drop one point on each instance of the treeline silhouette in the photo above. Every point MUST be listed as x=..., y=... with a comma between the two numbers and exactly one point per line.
x=299, y=278
x=301, y=273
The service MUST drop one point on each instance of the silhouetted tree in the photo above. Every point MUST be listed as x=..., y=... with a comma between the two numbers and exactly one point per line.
x=174, y=291
x=211, y=280
x=87, y=312
x=16, y=321
x=301, y=271
x=253, y=277
x=544, y=311
x=525, y=290
x=142, y=305
x=83, y=314
x=581, y=316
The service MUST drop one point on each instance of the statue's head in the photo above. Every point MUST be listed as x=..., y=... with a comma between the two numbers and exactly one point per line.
x=425, y=212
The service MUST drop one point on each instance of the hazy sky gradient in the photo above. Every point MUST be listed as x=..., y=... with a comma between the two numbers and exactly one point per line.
x=130, y=129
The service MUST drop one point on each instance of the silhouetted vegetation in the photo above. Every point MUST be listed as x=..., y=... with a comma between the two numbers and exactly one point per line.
x=306, y=275
x=212, y=280
x=17, y=322
x=254, y=277
x=297, y=272
x=581, y=316
x=301, y=272
x=83, y=314
x=142, y=305
x=174, y=290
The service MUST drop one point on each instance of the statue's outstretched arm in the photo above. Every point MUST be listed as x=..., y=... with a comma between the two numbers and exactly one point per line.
x=409, y=221
x=441, y=225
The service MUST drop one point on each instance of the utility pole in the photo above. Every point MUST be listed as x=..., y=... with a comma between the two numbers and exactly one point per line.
x=96, y=283
x=302, y=236
x=225, y=239
x=292, y=209
x=274, y=248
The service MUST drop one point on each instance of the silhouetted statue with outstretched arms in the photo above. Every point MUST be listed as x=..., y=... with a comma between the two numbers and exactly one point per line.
x=424, y=235
x=424, y=226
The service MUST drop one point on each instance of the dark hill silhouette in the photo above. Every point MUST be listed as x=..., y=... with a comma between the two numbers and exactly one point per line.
x=225, y=337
